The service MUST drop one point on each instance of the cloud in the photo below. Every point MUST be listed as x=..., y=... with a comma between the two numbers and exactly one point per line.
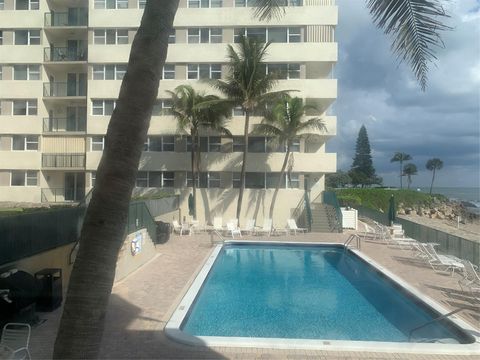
x=377, y=91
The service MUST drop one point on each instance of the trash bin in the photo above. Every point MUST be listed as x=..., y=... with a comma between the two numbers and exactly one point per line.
x=50, y=283
x=163, y=232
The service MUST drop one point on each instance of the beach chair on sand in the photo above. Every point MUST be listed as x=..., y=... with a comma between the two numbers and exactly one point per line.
x=292, y=227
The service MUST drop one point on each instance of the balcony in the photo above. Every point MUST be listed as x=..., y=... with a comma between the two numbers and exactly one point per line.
x=63, y=89
x=66, y=19
x=64, y=125
x=64, y=161
x=63, y=54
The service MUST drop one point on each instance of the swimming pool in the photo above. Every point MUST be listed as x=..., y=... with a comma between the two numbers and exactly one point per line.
x=307, y=296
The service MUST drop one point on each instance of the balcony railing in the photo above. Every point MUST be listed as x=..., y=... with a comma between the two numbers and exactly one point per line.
x=62, y=89
x=64, y=54
x=63, y=160
x=63, y=125
x=60, y=19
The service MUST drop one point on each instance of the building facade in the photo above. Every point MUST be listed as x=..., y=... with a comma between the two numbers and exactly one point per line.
x=61, y=67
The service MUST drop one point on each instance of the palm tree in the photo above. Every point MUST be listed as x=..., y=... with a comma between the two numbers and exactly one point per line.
x=82, y=322
x=81, y=327
x=192, y=116
x=433, y=165
x=409, y=170
x=249, y=86
x=284, y=124
x=400, y=157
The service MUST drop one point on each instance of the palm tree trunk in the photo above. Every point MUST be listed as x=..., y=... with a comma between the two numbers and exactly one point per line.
x=401, y=168
x=433, y=178
x=244, y=167
x=80, y=332
x=282, y=173
x=194, y=173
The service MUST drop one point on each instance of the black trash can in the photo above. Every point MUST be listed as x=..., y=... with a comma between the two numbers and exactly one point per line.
x=163, y=232
x=50, y=283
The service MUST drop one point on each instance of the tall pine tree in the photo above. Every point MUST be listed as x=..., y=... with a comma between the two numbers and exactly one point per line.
x=362, y=171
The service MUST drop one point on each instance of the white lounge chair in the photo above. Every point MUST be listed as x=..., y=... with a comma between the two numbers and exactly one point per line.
x=442, y=261
x=15, y=338
x=232, y=229
x=471, y=279
x=249, y=227
x=292, y=227
x=218, y=224
x=181, y=229
x=267, y=227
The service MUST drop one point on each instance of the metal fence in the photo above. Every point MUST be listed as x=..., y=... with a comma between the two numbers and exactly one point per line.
x=162, y=206
x=25, y=235
x=330, y=198
x=448, y=243
x=139, y=217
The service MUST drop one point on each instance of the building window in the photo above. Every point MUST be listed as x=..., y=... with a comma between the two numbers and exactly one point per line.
x=162, y=107
x=110, y=36
x=24, y=178
x=236, y=180
x=273, y=34
x=295, y=146
x=98, y=143
x=109, y=72
x=27, y=37
x=164, y=179
x=93, y=178
x=103, y=107
x=26, y=4
x=172, y=37
x=293, y=181
x=141, y=4
x=160, y=143
x=168, y=72
x=255, y=180
x=1, y=37
x=2, y=4
x=214, y=143
x=25, y=107
x=257, y=144
x=204, y=71
x=205, y=3
x=204, y=35
x=111, y=4
x=25, y=143
x=26, y=72
x=205, y=180
x=238, y=144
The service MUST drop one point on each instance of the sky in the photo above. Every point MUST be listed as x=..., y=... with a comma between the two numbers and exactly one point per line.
x=378, y=92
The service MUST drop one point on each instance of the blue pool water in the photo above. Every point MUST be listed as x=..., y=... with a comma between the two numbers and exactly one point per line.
x=306, y=292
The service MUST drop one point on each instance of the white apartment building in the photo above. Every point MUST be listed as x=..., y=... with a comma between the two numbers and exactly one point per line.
x=61, y=66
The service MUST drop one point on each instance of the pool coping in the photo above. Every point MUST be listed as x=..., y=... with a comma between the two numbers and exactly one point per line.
x=174, y=332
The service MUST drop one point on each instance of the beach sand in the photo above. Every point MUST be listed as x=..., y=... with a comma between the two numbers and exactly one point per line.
x=470, y=230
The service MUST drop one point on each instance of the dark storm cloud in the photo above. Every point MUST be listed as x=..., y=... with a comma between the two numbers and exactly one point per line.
x=376, y=91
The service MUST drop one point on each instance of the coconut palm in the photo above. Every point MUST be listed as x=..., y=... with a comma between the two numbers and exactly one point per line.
x=247, y=85
x=284, y=123
x=409, y=170
x=102, y=234
x=81, y=327
x=433, y=165
x=192, y=116
x=400, y=157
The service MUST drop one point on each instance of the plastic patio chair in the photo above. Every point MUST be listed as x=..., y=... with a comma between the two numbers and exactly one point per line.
x=233, y=229
x=16, y=337
x=471, y=279
x=267, y=227
x=249, y=227
x=292, y=227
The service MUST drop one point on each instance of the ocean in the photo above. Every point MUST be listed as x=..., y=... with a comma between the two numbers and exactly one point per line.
x=469, y=195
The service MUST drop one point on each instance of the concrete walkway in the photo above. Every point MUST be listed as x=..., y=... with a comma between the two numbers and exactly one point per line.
x=142, y=303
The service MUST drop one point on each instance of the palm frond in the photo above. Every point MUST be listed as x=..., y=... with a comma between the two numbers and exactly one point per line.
x=268, y=9
x=415, y=28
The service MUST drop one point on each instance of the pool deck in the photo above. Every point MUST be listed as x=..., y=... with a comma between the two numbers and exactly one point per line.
x=142, y=303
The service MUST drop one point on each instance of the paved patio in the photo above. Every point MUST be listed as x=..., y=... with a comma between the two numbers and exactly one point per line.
x=142, y=303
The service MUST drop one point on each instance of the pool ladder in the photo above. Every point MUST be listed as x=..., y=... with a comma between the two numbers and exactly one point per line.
x=350, y=239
